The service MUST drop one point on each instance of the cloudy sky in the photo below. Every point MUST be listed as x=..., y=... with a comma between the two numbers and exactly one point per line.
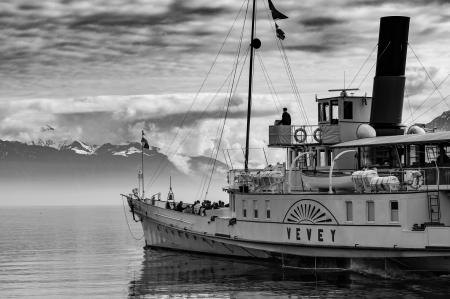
x=101, y=70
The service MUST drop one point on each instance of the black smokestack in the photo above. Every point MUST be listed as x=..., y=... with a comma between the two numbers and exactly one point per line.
x=389, y=81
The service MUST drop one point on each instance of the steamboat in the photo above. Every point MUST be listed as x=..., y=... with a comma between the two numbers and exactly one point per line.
x=359, y=185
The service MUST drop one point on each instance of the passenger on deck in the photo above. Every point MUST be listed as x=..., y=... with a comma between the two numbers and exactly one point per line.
x=179, y=207
x=443, y=159
x=285, y=118
x=196, y=208
x=188, y=209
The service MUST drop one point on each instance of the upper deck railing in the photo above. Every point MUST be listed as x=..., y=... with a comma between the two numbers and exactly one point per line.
x=284, y=181
x=285, y=136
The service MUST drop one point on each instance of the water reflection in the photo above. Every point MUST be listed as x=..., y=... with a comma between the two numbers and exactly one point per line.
x=180, y=274
x=194, y=275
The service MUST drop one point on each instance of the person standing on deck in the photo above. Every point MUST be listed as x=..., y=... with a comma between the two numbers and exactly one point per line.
x=285, y=118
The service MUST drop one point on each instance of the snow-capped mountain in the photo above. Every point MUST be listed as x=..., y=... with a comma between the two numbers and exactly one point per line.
x=83, y=148
x=441, y=123
x=46, y=172
x=80, y=148
x=110, y=157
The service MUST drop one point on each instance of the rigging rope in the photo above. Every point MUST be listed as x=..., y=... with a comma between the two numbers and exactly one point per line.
x=231, y=94
x=128, y=224
x=367, y=74
x=204, y=178
x=164, y=163
x=270, y=85
x=223, y=127
x=412, y=118
x=362, y=66
x=432, y=107
x=426, y=72
x=286, y=64
x=409, y=102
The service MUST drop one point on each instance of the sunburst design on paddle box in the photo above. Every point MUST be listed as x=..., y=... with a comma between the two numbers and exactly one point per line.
x=307, y=211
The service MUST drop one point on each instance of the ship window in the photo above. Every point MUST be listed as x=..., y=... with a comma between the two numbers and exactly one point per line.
x=329, y=157
x=348, y=110
x=394, y=211
x=267, y=209
x=320, y=112
x=334, y=112
x=322, y=158
x=255, y=208
x=432, y=154
x=233, y=203
x=325, y=111
x=244, y=208
x=349, y=209
x=370, y=211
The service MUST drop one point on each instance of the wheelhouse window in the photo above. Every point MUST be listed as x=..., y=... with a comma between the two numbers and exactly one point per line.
x=325, y=111
x=255, y=209
x=244, y=208
x=349, y=210
x=322, y=159
x=334, y=115
x=320, y=112
x=394, y=211
x=348, y=110
x=267, y=209
x=370, y=211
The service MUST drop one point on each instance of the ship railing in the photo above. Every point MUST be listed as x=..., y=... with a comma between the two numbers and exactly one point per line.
x=294, y=135
x=267, y=180
x=419, y=178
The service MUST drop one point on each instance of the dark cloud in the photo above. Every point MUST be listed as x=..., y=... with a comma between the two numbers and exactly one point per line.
x=321, y=21
x=313, y=48
x=177, y=13
x=29, y=6
x=409, y=2
x=171, y=120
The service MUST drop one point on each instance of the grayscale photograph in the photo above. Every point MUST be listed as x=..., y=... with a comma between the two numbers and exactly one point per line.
x=224, y=149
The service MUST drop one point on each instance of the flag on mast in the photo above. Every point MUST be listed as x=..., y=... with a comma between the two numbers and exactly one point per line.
x=280, y=33
x=144, y=141
x=276, y=15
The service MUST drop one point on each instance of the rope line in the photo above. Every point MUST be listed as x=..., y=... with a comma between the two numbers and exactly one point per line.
x=128, y=224
x=367, y=74
x=221, y=133
x=163, y=163
x=231, y=94
x=426, y=99
x=270, y=85
x=428, y=75
x=362, y=66
x=286, y=64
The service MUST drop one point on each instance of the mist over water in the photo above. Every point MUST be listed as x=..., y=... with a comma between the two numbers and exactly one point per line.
x=88, y=252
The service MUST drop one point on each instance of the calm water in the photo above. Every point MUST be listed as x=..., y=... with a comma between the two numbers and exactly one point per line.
x=88, y=252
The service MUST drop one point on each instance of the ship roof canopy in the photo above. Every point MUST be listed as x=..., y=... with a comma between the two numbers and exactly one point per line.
x=429, y=138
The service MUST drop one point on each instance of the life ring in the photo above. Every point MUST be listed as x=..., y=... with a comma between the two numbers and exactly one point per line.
x=417, y=180
x=317, y=135
x=302, y=137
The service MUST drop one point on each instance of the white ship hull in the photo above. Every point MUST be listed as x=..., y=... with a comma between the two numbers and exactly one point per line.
x=170, y=229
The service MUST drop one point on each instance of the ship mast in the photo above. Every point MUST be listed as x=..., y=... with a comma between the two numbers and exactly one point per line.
x=254, y=44
x=142, y=163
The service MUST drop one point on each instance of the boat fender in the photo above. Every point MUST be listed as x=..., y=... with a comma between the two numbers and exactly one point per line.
x=232, y=221
x=300, y=138
x=317, y=135
x=417, y=180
